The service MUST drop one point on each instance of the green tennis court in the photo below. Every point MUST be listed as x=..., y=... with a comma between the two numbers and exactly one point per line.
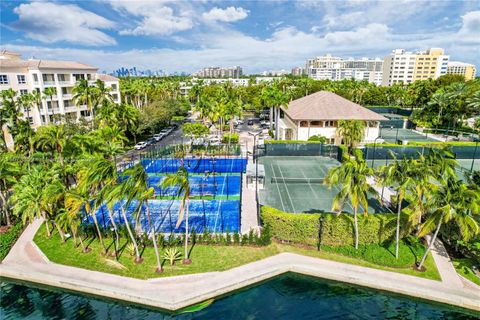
x=295, y=184
x=391, y=135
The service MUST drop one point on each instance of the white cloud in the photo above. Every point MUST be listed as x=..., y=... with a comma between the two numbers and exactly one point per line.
x=229, y=14
x=471, y=25
x=51, y=22
x=155, y=18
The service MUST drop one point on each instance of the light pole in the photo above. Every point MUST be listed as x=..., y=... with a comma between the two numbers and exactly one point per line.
x=374, y=146
x=474, y=154
x=255, y=135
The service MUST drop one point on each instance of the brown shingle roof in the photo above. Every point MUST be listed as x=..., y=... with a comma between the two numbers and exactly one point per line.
x=44, y=64
x=106, y=77
x=324, y=105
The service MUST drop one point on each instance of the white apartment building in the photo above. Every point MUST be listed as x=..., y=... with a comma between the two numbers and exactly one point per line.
x=464, y=69
x=219, y=72
x=406, y=67
x=333, y=68
x=31, y=75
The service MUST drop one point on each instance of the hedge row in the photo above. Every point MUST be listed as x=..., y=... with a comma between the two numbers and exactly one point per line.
x=338, y=230
x=7, y=239
x=292, y=142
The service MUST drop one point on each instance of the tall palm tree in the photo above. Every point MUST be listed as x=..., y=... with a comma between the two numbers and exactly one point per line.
x=352, y=176
x=397, y=174
x=10, y=172
x=83, y=94
x=451, y=201
x=180, y=179
x=49, y=92
x=53, y=138
x=142, y=194
x=351, y=132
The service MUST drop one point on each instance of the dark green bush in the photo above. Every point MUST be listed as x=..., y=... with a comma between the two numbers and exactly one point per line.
x=338, y=230
x=232, y=138
x=7, y=239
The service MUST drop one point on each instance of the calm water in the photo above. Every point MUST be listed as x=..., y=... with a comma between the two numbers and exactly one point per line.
x=289, y=296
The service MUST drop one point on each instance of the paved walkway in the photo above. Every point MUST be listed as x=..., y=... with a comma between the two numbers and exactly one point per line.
x=25, y=262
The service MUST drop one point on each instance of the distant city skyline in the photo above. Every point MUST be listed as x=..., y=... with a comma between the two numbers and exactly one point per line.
x=180, y=36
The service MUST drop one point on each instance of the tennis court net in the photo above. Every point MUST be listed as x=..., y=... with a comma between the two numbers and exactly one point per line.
x=296, y=180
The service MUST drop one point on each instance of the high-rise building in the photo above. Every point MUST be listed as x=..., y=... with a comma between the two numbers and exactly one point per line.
x=333, y=68
x=464, y=69
x=25, y=76
x=219, y=72
x=298, y=71
x=406, y=67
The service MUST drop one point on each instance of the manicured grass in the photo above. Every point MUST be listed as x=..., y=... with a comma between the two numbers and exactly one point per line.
x=464, y=268
x=208, y=258
x=366, y=258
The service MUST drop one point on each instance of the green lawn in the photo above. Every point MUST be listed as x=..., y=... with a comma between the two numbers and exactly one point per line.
x=208, y=258
x=464, y=268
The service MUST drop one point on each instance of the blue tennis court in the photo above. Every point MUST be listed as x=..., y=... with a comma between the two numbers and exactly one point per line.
x=213, y=215
x=207, y=185
x=200, y=165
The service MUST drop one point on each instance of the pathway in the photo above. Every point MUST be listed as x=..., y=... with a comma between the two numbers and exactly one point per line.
x=25, y=262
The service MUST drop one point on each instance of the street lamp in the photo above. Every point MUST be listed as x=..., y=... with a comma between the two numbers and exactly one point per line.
x=474, y=154
x=374, y=146
x=255, y=135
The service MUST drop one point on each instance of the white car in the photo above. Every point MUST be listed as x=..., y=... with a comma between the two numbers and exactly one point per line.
x=158, y=137
x=140, y=145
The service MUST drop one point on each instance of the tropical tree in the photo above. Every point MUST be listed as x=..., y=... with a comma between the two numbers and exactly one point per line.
x=351, y=132
x=451, y=201
x=10, y=172
x=52, y=138
x=352, y=177
x=84, y=94
x=49, y=92
x=397, y=174
x=180, y=180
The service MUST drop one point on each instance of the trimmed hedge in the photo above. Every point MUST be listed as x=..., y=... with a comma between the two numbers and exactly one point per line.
x=227, y=138
x=338, y=230
x=7, y=239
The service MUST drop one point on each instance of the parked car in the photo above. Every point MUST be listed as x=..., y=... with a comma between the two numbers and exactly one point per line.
x=150, y=141
x=250, y=122
x=265, y=124
x=140, y=145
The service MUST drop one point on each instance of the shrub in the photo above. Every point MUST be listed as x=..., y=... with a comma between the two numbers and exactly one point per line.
x=7, y=239
x=318, y=138
x=233, y=138
x=338, y=230
x=171, y=255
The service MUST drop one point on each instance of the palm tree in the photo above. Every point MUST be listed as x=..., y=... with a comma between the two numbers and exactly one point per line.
x=276, y=98
x=351, y=132
x=72, y=217
x=102, y=94
x=49, y=93
x=142, y=194
x=53, y=138
x=451, y=201
x=180, y=179
x=441, y=100
x=352, y=176
x=10, y=172
x=398, y=175
x=83, y=94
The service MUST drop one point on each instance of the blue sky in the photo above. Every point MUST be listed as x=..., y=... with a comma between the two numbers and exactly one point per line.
x=257, y=35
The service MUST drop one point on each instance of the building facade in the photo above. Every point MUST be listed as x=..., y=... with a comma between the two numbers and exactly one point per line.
x=298, y=71
x=318, y=114
x=219, y=72
x=26, y=76
x=406, y=67
x=333, y=68
x=464, y=69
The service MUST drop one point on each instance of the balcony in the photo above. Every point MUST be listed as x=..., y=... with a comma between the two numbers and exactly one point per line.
x=66, y=83
x=49, y=83
x=71, y=108
x=67, y=96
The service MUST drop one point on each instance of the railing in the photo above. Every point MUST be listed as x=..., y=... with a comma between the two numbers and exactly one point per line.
x=67, y=95
x=48, y=83
x=66, y=83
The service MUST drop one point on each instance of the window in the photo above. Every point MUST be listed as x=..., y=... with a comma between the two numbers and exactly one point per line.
x=316, y=124
x=21, y=79
x=23, y=92
x=64, y=90
x=330, y=123
x=114, y=87
x=3, y=79
x=35, y=77
x=30, y=120
x=303, y=124
x=61, y=77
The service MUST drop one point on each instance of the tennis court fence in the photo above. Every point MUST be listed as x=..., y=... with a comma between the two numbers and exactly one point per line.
x=299, y=149
x=297, y=180
x=414, y=152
